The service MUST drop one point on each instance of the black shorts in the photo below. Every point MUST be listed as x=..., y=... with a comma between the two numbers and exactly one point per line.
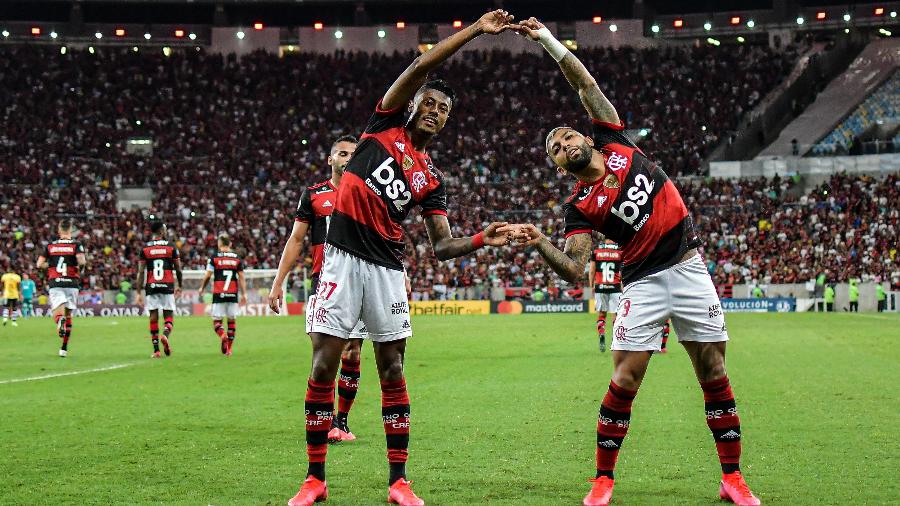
x=12, y=303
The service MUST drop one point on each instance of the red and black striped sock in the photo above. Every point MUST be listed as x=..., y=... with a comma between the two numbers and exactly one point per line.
x=612, y=425
x=395, y=415
x=154, y=334
x=219, y=329
x=348, y=384
x=167, y=327
x=665, y=335
x=232, y=329
x=67, y=333
x=319, y=412
x=722, y=419
x=601, y=323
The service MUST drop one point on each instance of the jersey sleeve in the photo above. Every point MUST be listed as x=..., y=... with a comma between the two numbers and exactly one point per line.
x=436, y=201
x=305, y=212
x=209, y=266
x=385, y=119
x=175, y=254
x=610, y=133
x=576, y=221
x=240, y=266
x=79, y=248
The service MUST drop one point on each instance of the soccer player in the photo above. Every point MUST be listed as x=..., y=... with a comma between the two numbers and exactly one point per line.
x=362, y=274
x=163, y=282
x=227, y=271
x=63, y=259
x=606, y=276
x=312, y=215
x=11, y=282
x=28, y=288
x=626, y=197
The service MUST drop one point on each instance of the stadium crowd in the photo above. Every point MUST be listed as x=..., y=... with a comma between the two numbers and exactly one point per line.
x=236, y=140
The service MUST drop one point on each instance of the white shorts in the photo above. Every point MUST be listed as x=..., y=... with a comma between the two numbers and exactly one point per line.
x=359, y=330
x=353, y=290
x=684, y=293
x=63, y=296
x=163, y=301
x=606, y=302
x=224, y=310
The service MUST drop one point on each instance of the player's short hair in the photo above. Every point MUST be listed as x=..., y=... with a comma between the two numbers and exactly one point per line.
x=156, y=225
x=552, y=133
x=441, y=86
x=344, y=138
x=65, y=224
x=225, y=240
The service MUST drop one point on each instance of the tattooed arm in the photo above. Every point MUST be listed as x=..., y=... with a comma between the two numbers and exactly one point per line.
x=447, y=247
x=570, y=262
x=596, y=103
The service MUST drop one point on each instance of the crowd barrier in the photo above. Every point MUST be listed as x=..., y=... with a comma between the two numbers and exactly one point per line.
x=764, y=305
x=426, y=308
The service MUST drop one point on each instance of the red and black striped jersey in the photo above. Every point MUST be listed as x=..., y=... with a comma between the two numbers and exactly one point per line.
x=225, y=266
x=382, y=182
x=159, y=257
x=62, y=260
x=315, y=207
x=607, y=269
x=634, y=204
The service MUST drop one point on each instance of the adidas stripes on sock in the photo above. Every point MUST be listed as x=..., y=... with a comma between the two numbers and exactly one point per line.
x=612, y=425
x=722, y=419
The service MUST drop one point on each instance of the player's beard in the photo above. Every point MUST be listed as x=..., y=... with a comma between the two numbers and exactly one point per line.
x=581, y=161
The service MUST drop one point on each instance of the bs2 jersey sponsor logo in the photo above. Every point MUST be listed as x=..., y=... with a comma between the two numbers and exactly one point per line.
x=637, y=196
x=395, y=189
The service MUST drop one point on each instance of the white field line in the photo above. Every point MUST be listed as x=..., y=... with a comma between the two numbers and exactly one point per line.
x=70, y=373
x=877, y=317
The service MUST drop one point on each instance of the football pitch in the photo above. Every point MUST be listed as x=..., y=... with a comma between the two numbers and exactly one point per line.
x=503, y=412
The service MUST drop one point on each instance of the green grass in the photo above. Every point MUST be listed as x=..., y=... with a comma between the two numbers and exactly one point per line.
x=504, y=413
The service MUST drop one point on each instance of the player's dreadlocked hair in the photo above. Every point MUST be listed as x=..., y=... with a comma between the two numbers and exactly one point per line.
x=441, y=86
x=344, y=138
x=551, y=134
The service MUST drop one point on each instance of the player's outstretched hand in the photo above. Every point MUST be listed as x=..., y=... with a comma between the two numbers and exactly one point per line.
x=494, y=234
x=495, y=22
x=529, y=28
x=523, y=234
x=177, y=291
x=243, y=299
x=275, y=298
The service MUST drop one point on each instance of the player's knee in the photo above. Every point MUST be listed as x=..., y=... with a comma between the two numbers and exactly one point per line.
x=322, y=371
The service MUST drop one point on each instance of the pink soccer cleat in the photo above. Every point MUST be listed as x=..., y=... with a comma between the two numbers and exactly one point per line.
x=601, y=492
x=312, y=491
x=401, y=494
x=733, y=488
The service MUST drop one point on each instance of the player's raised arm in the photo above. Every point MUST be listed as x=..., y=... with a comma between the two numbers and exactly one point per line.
x=447, y=247
x=569, y=263
x=596, y=103
x=403, y=89
x=289, y=257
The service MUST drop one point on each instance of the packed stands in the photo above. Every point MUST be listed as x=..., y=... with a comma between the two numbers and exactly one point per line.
x=881, y=106
x=236, y=140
